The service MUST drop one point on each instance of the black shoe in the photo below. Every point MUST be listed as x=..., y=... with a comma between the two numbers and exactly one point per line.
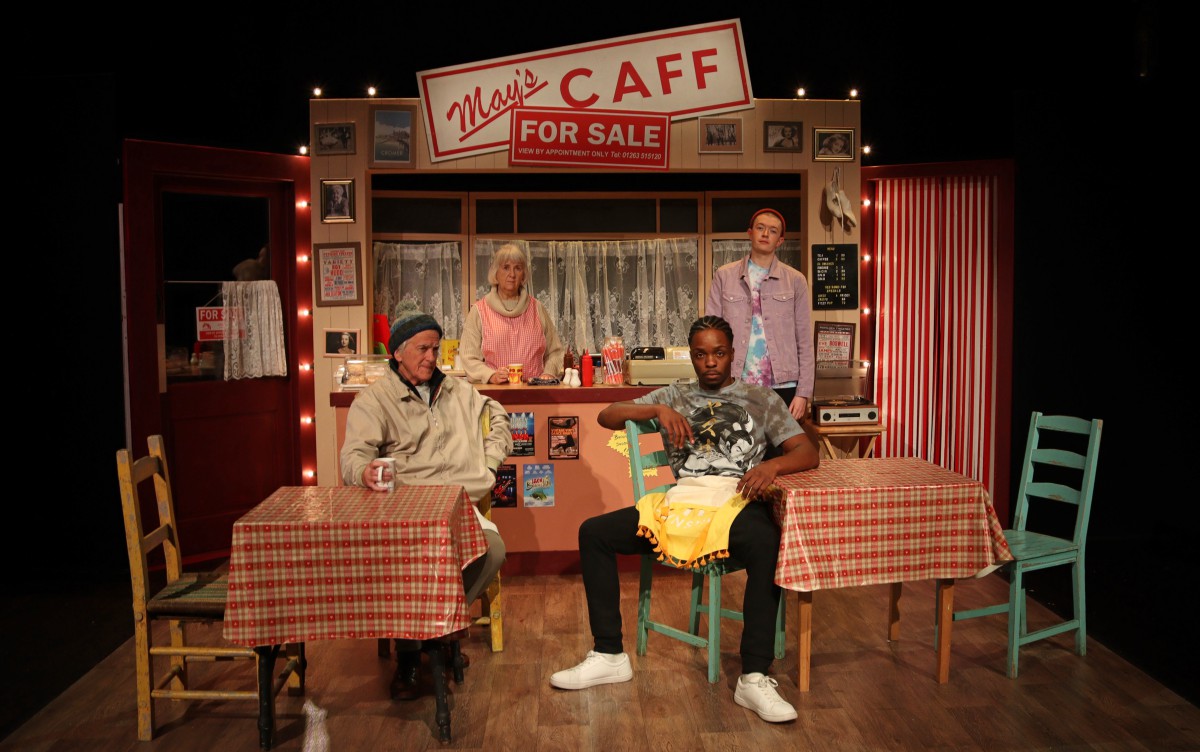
x=406, y=684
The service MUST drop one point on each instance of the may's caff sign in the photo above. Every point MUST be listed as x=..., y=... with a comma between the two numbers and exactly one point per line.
x=684, y=72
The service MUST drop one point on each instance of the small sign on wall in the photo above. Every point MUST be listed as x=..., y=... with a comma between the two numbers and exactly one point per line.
x=834, y=341
x=521, y=425
x=504, y=493
x=539, y=485
x=339, y=274
x=564, y=437
x=835, y=277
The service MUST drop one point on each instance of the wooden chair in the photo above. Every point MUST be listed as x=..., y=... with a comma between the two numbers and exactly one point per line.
x=187, y=597
x=639, y=461
x=489, y=601
x=1071, y=483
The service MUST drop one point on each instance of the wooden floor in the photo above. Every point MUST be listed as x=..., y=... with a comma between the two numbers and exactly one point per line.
x=867, y=694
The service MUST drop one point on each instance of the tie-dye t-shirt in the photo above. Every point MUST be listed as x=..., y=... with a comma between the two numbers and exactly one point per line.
x=758, y=361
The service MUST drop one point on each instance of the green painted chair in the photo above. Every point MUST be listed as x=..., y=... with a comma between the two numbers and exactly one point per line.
x=638, y=463
x=1062, y=475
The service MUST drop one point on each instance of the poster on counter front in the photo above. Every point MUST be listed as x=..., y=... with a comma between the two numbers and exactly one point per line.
x=504, y=493
x=538, y=485
x=521, y=425
x=564, y=437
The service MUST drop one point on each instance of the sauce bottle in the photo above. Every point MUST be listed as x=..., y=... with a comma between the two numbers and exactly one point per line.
x=585, y=368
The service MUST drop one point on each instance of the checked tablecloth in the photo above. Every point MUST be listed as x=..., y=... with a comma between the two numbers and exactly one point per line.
x=871, y=521
x=330, y=563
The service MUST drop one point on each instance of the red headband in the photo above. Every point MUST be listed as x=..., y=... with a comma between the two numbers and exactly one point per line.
x=772, y=212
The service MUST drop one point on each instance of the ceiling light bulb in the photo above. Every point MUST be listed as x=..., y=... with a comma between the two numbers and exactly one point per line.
x=316, y=91
x=370, y=91
x=854, y=93
x=800, y=92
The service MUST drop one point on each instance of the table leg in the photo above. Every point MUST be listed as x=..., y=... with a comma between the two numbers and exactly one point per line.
x=870, y=450
x=266, y=694
x=894, y=611
x=804, y=640
x=437, y=665
x=945, y=622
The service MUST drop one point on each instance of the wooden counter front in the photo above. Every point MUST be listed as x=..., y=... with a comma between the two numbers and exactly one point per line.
x=595, y=483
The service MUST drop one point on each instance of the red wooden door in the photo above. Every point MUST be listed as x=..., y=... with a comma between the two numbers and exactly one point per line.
x=192, y=214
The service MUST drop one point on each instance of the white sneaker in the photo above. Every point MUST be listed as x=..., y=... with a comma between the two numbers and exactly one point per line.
x=757, y=692
x=597, y=668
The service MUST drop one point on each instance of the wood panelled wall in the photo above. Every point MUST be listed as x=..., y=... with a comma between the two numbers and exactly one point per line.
x=684, y=157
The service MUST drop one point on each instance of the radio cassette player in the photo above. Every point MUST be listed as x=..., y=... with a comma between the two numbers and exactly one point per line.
x=847, y=411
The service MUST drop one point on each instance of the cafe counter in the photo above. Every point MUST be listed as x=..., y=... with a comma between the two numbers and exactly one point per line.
x=546, y=537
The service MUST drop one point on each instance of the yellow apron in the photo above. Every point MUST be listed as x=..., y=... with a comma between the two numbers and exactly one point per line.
x=689, y=524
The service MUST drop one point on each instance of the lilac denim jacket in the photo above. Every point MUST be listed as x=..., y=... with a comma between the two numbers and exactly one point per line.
x=786, y=320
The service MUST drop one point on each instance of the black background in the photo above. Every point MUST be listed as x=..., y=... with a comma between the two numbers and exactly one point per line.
x=1082, y=101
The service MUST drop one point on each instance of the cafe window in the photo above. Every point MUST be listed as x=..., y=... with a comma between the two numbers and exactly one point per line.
x=425, y=276
x=417, y=255
x=645, y=290
x=634, y=265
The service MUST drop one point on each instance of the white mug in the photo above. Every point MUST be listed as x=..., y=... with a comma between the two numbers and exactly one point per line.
x=390, y=464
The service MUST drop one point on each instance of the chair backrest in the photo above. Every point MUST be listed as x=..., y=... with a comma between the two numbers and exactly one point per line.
x=1073, y=483
x=131, y=475
x=640, y=461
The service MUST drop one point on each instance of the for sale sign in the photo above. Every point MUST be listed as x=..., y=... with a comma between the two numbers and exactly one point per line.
x=683, y=72
x=589, y=138
x=210, y=323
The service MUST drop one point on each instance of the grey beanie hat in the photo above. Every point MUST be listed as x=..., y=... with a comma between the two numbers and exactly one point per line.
x=408, y=323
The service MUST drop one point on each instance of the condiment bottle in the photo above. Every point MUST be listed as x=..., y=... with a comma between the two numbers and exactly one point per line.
x=585, y=368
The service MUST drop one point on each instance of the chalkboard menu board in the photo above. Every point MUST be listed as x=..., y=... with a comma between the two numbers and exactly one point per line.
x=835, y=277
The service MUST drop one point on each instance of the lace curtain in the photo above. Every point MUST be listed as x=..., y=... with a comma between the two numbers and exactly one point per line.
x=425, y=276
x=725, y=251
x=254, y=342
x=644, y=291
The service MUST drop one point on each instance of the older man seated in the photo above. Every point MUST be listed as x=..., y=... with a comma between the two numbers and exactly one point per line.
x=432, y=427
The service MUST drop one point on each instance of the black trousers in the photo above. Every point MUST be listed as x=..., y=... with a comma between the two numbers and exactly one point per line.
x=753, y=541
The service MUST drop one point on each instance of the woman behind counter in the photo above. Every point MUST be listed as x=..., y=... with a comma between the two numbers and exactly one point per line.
x=508, y=326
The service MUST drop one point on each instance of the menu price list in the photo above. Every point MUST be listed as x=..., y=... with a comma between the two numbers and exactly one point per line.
x=835, y=276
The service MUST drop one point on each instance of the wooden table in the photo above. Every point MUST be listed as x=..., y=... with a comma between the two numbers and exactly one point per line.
x=856, y=431
x=857, y=522
x=332, y=563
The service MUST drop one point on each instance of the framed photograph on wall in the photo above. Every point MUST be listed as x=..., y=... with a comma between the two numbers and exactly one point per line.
x=338, y=274
x=393, y=136
x=341, y=342
x=833, y=144
x=332, y=138
x=720, y=135
x=337, y=201
x=783, y=135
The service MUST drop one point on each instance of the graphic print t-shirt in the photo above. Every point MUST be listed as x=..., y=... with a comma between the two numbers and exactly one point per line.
x=732, y=427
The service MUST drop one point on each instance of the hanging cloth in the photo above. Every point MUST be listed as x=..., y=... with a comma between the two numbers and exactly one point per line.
x=254, y=343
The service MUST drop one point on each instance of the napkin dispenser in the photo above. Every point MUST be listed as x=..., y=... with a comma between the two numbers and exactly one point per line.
x=647, y=366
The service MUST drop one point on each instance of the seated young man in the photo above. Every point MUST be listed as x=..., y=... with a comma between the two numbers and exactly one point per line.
x=717, y=431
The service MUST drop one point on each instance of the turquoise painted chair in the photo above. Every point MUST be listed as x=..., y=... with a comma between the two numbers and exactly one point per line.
x=1070, y=483
x=638, y=462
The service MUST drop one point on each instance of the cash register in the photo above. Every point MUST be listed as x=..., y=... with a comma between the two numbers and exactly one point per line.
x=655, y=366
